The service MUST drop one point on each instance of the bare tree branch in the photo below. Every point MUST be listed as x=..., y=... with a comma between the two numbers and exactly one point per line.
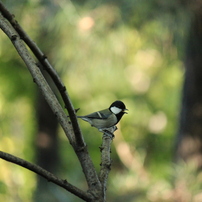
x=47, y=175
x=37, y=77
x=97, y=186
x=82, y=153
x=48, y=67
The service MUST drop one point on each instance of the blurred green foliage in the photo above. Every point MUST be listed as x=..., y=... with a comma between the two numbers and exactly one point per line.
x=127, y=50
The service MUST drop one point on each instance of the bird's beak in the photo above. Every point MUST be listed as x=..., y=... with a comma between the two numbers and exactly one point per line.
x=125, y=111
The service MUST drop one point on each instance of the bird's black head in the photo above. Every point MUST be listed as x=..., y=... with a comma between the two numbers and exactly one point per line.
x=118, y=107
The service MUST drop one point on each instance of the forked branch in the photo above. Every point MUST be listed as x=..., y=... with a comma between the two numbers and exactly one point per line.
x=97, y=186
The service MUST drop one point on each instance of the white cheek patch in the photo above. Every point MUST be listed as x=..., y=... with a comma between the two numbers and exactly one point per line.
x=116, y=110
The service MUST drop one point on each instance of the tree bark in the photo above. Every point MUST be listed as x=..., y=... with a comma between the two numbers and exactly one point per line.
x=189, y=139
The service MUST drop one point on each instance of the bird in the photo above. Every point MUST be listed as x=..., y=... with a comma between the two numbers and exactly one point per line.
x=106, y=118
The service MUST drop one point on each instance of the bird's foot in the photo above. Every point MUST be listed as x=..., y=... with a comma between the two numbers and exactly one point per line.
x=108, y=131
x=108, y=134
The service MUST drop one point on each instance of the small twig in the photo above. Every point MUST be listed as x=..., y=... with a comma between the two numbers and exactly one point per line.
x=76, y=110
x=47, y=175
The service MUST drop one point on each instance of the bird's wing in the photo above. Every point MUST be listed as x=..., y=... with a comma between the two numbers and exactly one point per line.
x=103, y=114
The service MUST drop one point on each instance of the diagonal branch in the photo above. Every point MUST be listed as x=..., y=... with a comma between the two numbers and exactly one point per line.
x=52, y=72
x=81, y=151
x=47, y=175
x=37, y=77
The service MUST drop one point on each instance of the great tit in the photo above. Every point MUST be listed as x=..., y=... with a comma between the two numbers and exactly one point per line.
x=106, y=118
